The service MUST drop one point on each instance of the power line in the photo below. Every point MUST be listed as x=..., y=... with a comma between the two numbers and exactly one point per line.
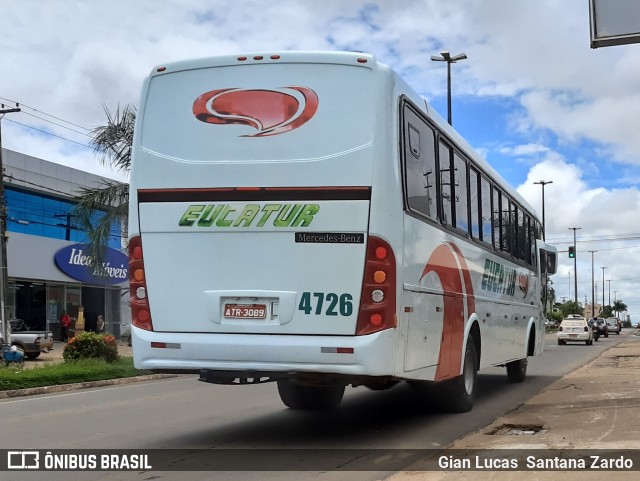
x=587, y=240
x=44, y=113
x=48, y=133
x=59, y=125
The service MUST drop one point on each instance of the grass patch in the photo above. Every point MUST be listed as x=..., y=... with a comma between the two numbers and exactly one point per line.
x=16, y=377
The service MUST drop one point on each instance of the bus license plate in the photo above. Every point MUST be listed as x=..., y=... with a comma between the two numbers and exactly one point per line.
x=245, y=311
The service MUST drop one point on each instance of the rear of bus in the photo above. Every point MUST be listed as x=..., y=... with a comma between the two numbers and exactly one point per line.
x=251, y=191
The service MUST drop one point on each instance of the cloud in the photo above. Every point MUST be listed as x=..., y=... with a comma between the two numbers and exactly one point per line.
x=526, y=149
x=606, y=220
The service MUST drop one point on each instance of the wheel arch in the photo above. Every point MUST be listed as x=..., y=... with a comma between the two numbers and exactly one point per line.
x=473, y=335
x=531, y=340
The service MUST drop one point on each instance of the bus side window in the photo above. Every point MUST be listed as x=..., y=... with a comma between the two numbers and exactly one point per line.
x=522, y=240
x=474, y=203
x=446, y=183
x=511, y=223
x=460, y=193
x=420, y=165
x=485, y=202
x=551, y=262
x=498, y=240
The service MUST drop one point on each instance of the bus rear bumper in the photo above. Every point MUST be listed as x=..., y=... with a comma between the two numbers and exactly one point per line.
x=370, y=355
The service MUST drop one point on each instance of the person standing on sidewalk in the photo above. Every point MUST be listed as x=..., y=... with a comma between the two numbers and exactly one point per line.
x=100, y=324
x=65, y=323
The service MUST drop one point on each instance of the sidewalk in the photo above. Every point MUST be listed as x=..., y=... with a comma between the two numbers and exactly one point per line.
x=594, y=407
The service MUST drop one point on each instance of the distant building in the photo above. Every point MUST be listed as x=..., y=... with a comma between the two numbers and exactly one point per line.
x=597, y=310
x=46, y=251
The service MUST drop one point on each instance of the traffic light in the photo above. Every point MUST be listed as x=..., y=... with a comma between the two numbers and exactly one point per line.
x=572, y=252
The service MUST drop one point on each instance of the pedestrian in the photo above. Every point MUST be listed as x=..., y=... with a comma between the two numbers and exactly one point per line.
x=100, y=324
x=65, y=323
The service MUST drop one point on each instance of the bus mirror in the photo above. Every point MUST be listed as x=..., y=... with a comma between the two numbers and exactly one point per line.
x=551, y=264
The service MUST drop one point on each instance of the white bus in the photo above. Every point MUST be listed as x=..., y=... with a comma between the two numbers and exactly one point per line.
x=306, y=218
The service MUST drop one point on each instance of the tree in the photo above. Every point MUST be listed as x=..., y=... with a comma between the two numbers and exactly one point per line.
x=112, y=144
x=618, y=307
x=606, y=311
x=571, y=307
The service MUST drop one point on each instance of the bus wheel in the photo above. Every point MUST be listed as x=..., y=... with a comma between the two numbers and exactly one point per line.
x=314, y=398
x=517, y=370
x=459, y=393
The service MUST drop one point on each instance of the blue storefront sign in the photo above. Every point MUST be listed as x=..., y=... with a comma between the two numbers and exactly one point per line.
x=75, y=261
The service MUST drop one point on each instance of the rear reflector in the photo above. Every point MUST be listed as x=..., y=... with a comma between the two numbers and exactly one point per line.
x=165, y=345
x=337, y=350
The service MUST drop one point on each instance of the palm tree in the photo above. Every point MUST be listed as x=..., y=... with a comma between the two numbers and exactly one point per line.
x=112, y=144
x=619, y=307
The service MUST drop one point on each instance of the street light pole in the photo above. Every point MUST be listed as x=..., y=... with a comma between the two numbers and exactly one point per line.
x=603, y=268
x=575, y=263
x=544, y=228
x=593, y=289
x=446, y=57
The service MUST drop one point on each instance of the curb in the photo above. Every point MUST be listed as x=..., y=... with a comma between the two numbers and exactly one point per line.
x=31, y=391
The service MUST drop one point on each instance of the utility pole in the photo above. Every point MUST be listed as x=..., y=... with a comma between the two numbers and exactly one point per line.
x=593, y=289
x=4, y=273
x=575, y=263
x=603, y=268
x=68, y=225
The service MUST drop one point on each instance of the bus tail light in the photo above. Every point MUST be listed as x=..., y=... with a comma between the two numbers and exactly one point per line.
x=378, y=300
x=140, y=313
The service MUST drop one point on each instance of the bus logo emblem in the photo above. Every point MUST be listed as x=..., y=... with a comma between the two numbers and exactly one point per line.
x=270, y=112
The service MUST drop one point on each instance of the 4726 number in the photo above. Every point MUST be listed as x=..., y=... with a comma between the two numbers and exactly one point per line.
x=329, y=304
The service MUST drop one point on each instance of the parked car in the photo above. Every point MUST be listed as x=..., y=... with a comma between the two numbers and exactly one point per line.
x=613, y=324
x=32, y=343
x=575, y=329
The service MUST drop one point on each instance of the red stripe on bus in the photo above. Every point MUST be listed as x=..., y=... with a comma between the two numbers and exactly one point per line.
x=212, y=194
x=449, y=265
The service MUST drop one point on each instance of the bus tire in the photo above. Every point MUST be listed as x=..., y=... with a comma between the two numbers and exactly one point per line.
x=458, y=394
x=517, y=370
x=312, y=398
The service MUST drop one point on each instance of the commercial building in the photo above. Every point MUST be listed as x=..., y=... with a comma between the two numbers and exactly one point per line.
x=47, y=257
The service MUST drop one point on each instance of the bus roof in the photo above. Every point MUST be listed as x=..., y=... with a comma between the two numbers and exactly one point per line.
x=357, y=59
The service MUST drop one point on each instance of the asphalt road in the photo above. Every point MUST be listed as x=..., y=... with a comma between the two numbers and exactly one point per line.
x=182, y=413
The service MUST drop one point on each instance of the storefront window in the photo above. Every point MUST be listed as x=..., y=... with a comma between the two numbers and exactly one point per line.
x=112, y=314
x=11, y=300
x=55, y=306
x=73, y=302
x=40, y=305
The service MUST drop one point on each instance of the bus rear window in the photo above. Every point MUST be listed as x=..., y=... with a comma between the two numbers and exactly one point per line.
x=259, y=112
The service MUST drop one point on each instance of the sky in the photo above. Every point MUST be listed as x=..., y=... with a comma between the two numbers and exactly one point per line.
x=532, y=97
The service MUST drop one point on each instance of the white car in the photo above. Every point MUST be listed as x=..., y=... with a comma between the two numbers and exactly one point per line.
x=575, y=329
